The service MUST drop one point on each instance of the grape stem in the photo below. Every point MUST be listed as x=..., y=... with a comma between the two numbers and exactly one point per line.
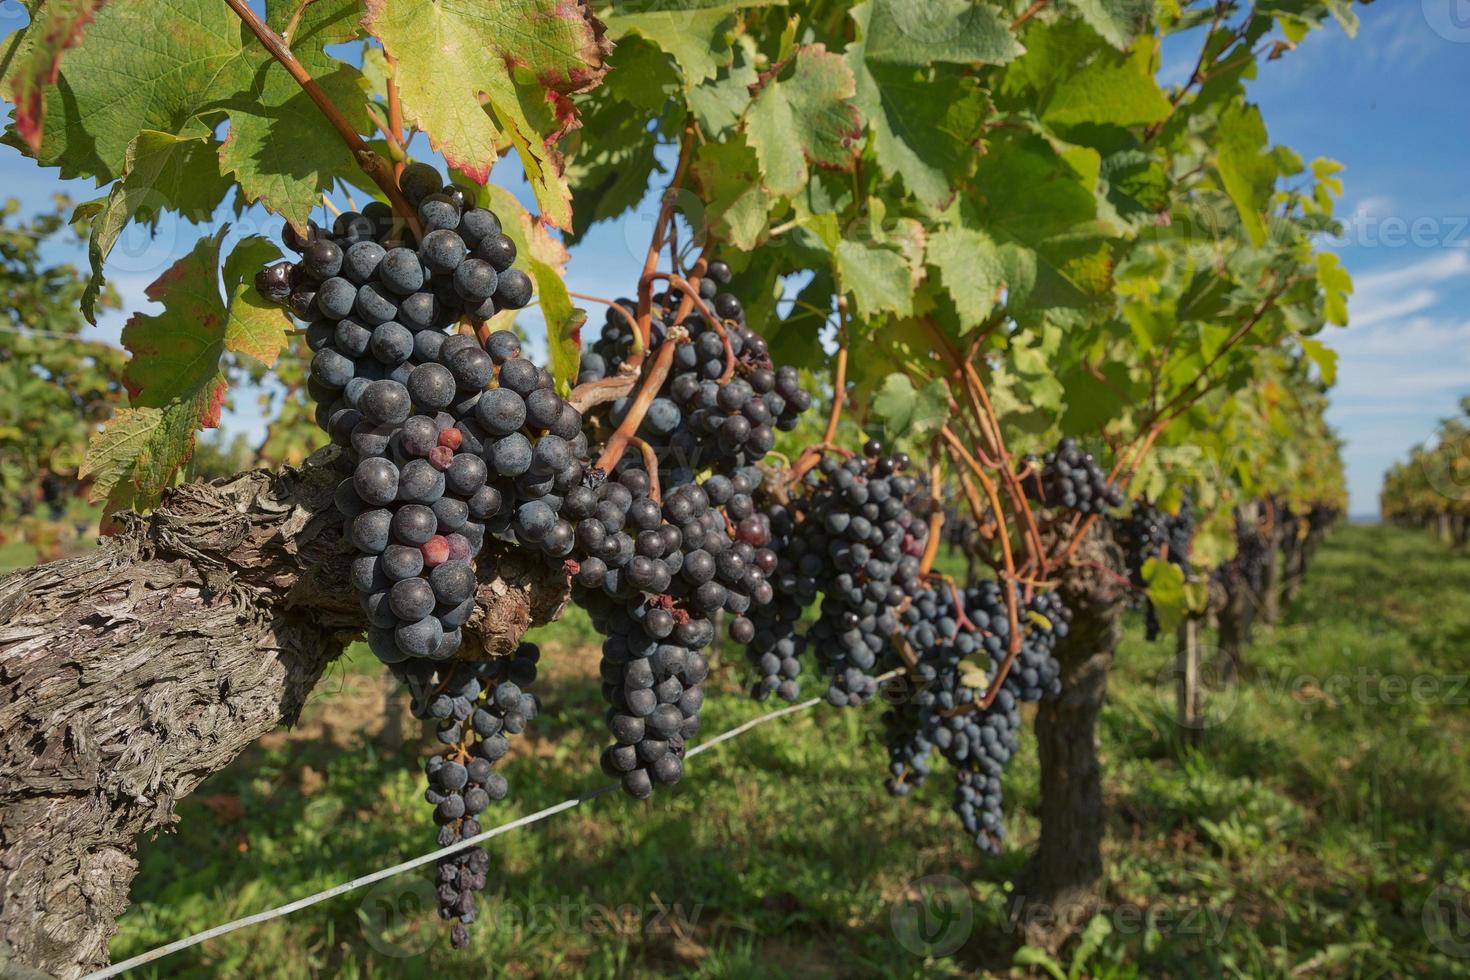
x=1027, y=14
x=295, y=21
x=655, y=244
x=1009, y=576
x=691, y=293
x=371, y=163
x=658, y=372
x=954, y=591
x=395, y=115
x=650, y=463
x=839, y=375
x=590, y=394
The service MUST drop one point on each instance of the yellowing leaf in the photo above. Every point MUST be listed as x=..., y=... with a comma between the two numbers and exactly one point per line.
x=472, y=74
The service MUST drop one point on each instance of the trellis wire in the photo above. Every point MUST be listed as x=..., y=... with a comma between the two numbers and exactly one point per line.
x=424, y=859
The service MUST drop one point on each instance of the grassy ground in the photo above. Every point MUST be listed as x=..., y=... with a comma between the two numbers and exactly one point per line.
x=1327, y=809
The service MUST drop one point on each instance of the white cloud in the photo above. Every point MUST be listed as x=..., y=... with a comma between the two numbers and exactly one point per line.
x=1438, y=268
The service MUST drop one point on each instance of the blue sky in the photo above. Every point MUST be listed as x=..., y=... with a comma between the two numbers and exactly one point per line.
x=1390, y=104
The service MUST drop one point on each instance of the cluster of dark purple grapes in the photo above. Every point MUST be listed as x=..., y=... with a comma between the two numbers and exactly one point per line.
x=769, y=630
x=651, y=576
x=1070, y=479
x=489, y=699
x=1149, y=532
x=404, y=398
x=696, y=421
x=858, y=544
x=977, y=743
x=449, y=441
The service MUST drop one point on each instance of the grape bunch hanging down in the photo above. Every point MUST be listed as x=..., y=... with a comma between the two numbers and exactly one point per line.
x=402, y=396
x=1150, y=532
x=943, y=715
x=449, y=440
x=853, y=532
x=476, y=707
x=867, y=531
x=1070, y=479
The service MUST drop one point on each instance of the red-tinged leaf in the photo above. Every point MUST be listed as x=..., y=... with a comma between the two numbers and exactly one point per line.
x=56, y=25
x=472, y=75
x=174, y=378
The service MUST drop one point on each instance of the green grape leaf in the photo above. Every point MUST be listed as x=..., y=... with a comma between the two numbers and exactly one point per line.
x=1323, y=356
x=1247, y=168
x=718, y=105
x=878, y=278
x=1118, y=21
x=930, y=143
x=177, y=67
x=175, y=354
x=921, y=32
x=153, y=65
x=254, y=325
x=1076, y=82
x=737, y=208
x=521, y=60
x=1166, y=591
x=34, y=60
x=281, y=148
x=1038, y=201
x=970, y=267
x=803, y=115
x=698, y=40
x=910, y=413
x=160, y=171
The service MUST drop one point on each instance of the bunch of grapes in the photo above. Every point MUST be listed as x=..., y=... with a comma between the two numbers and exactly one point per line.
x=651, y=576
x=768, y=631
x=977, y=743
x=402, y=397
x=1070, y=479
x=1148, y=532
x=863, y=537
x=475, y=707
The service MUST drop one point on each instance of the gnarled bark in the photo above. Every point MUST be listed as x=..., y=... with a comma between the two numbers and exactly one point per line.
x=1059, y=889
x=130, y=674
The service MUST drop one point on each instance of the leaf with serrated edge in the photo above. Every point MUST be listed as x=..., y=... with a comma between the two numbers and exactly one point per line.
x=970, y=269
x=878, y=278
x=175, y=354
x=806, y=116
x=135, y=455
x=161, y=170
x=560, y=45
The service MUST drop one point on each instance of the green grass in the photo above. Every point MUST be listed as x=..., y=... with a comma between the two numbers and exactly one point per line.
x=1303, y=837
